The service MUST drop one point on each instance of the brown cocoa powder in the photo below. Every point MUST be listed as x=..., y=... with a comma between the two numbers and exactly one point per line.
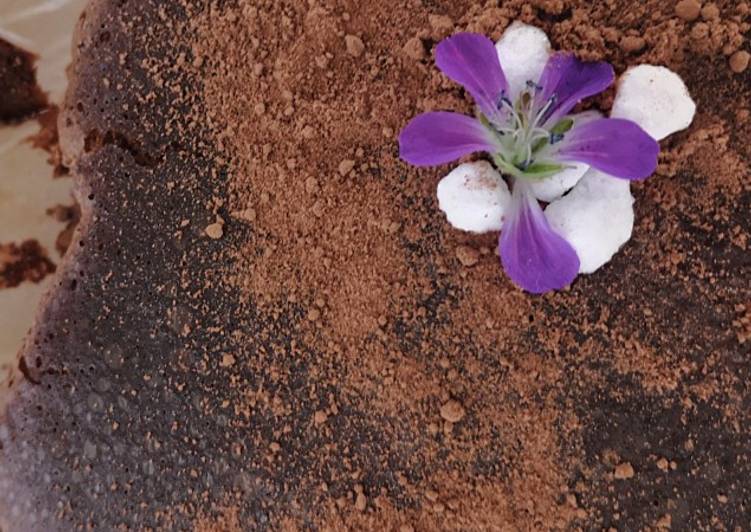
x=308, y=100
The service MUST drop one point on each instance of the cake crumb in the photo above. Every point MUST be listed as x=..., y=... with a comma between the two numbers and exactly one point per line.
x=248, y=215
x=442, y=24
x=215, y=231
x=739, y=61
x=28, y=261
x=415, y=49
x=467, y=256
x=361, y=502
x=346, y=166
x=688, y=10
x=355, y=46
x=314, y=315
x=624, y=471
x=632, y=43
x=710, y=12
x=320, y=417
x=452, y=411
x=665, y=522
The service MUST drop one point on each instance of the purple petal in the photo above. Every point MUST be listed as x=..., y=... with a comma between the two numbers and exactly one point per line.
x=533, y=255
x=570, y=81
x=615, y=146
x=436, y=138
x=472, y=60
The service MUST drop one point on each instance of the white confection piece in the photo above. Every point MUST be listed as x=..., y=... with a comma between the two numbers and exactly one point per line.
x=552, y=188
x=655, y=98
x=596, y=218
x=474, y=197
x=524, y=51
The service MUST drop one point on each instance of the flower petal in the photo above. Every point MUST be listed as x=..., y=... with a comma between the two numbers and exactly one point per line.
x=655, y=98
x=523, y=50
x=532, y=253
x=554, y=187
x=436, y=138
x=570, y=81
x=596, y=218
x=616, y=146
x=474, y=197
x=471, y=60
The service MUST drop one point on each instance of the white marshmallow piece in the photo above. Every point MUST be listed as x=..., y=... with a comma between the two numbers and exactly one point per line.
x=655, y=98
x=553, y=187
x=596, y=218
x=524, y=51
x=474, y=197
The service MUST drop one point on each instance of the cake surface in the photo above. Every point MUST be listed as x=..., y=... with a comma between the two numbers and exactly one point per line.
x=265, y=322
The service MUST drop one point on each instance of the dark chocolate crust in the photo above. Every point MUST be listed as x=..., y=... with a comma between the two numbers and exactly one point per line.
x=120, y=415
x=90, y=372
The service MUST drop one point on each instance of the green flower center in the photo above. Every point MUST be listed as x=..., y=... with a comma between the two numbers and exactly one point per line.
x=524, y=138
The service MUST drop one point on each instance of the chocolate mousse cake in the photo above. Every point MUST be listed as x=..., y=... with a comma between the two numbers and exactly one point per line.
x=264, y=322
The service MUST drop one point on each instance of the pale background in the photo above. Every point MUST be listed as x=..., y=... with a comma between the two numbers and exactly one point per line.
x=27, y=189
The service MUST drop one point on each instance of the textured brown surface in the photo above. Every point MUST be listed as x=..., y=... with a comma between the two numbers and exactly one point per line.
x=265, y=322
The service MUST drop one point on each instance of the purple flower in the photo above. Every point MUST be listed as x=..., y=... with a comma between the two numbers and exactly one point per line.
x=526, y=128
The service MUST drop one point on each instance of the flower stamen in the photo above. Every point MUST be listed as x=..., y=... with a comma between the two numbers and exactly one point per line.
x=524, y=134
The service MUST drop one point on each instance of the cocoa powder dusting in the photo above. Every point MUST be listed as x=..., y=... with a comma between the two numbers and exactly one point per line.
x=405, y=315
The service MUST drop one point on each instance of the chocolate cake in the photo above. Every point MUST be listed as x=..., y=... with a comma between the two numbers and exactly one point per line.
x=264, y=322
